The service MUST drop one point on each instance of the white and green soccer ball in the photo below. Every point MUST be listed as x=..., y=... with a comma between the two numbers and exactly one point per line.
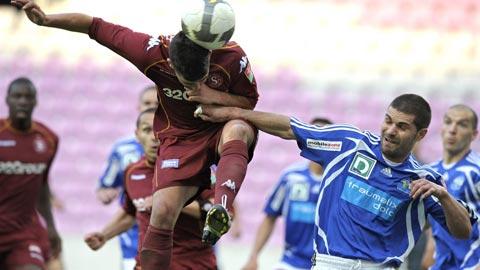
x=208, y=23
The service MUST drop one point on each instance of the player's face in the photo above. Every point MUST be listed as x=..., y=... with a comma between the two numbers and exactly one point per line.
x=21, y=101
x=148, y=100
x=191, y=85
x=399, y=135
x=457, y=130
x=146, y=136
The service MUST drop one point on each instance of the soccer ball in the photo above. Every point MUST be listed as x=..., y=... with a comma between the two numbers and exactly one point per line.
x=208, y=23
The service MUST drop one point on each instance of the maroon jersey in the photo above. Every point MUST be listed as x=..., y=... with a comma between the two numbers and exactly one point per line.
x=187, y=235
x=25, y=159
x=229, y=72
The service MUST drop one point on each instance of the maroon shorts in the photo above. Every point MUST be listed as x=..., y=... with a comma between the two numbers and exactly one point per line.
x=186, y=161
x=202, y=261
x=27, y=252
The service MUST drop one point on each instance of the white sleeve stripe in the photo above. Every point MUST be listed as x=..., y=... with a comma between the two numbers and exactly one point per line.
x=320, y=130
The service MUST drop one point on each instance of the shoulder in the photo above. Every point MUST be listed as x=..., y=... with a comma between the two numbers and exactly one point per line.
x=126, y=144
x=45, y=131
x=295, y=172
x=473, y=158
x=422, y=170
x=132, y=167
x=231, y=56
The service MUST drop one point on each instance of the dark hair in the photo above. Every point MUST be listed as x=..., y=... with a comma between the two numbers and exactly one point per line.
x=414, y=105
x=321, y=120
x=467, y=108
x=21, y=80
x=189, y=59
x=149, y=110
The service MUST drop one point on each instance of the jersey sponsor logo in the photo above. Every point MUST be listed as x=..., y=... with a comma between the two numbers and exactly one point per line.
x=300, y=192
x=302, y=212
x=370, y=198
x=20, y=168
x=362, y=165
x=334, y=146
x=170, y=163
x=39, y=145
x=230, y=184
x=140, y=204
x=137, y=177
x=152, y=42
x=7, y=143
x=387, y=171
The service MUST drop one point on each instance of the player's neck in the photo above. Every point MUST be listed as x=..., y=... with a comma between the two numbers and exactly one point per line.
x=450, y=157
x=21, y=124
x=150, y=163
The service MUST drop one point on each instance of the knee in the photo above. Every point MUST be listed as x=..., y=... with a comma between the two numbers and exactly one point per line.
x=163, y=215
x=237, y=130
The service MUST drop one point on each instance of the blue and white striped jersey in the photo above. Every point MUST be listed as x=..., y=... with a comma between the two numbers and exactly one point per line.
x=463, y=182
x=295, y=197
x=124, y=152
x=364, y=210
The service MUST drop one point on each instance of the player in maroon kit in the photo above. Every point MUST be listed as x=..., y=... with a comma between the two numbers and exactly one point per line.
x=27, y=149
x=188, y=250
x=186, y=75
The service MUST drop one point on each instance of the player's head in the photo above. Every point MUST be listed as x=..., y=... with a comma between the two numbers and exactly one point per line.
x=320, y=121
x=148, y=98
x=459, y=129
x=190, y=61
x=405, y=123
x=21, y=99
x=145, y=134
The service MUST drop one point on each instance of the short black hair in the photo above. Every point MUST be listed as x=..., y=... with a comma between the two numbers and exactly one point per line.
x=321, y=120
x=467, y=108
x=415, y=105
x=189, y=59
x=21, y=80
x=149, y=110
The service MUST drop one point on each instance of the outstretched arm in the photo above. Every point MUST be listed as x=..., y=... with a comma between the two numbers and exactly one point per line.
x=275, y=124
x=263, y=234
x=120, y=223
x=75, y=22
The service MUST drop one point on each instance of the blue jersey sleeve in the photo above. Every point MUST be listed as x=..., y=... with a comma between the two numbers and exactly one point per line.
x=323, y=144
x=277, y=198
x=112, y=177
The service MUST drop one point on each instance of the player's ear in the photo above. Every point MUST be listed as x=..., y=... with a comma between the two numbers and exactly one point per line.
x=420, y=134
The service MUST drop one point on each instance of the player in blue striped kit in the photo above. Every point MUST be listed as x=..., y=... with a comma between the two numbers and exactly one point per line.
x=294, y=197
x=460, y=168
x=375, y=197
x=124, y=152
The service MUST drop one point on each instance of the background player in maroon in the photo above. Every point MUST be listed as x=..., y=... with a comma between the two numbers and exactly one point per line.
x=27, y=149
x=186, y=75
x=188, y=250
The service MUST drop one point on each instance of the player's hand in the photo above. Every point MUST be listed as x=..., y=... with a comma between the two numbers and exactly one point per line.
x=55, y=243
x=251, y=265
x=107, y=195
x=213, y=113
x=423, y=188
x=201, y=94
x=95, y=240
x=33, y=11
x=148, y=203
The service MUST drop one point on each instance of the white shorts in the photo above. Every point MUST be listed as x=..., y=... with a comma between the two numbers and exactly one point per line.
x=286, y=266
x=323, y=262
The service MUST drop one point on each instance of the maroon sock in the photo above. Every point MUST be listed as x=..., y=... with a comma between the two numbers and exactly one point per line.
x=157, y=249
x=231, y=171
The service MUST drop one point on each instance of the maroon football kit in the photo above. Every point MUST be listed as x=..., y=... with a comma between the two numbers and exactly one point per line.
x=188, y=145
x=188, y=250
x=25, y=159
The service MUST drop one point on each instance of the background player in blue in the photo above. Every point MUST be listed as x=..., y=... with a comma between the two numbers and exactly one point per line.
x=374, y=197
x=294, y=197
x=460, y=167
x=124, y=152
